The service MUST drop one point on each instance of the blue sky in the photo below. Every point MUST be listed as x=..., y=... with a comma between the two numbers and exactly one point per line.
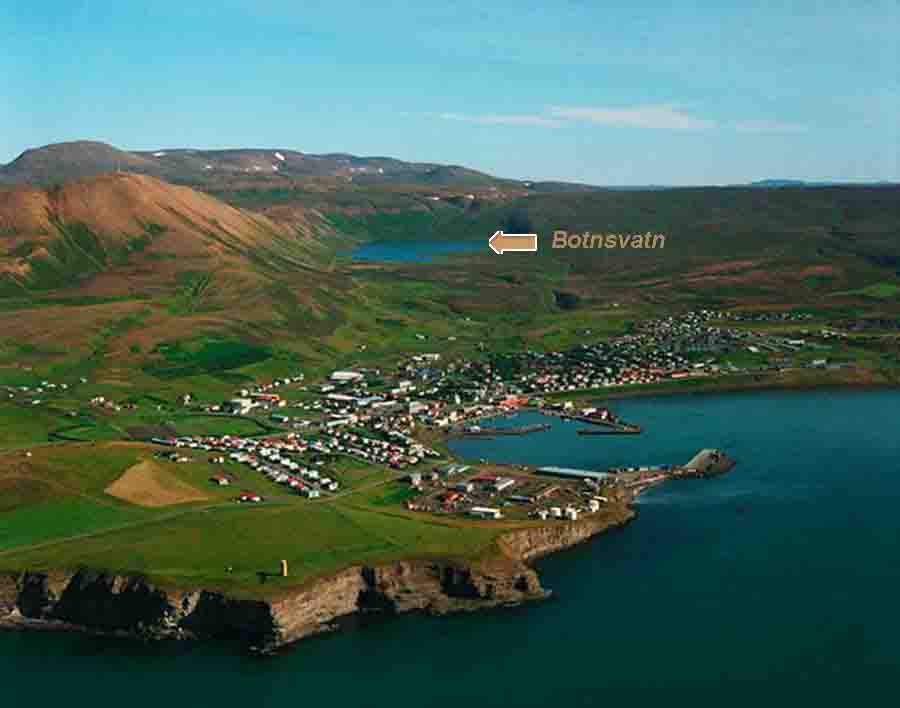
x=610, y=93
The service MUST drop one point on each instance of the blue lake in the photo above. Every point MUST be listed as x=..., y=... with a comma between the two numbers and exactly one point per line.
x=415, y=251
x=776, y=583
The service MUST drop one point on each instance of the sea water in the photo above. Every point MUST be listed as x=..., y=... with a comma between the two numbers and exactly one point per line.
x=775, y=583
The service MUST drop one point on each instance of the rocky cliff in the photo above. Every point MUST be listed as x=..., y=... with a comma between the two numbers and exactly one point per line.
x=533, y=543
x=109, y=603
x=116, y=604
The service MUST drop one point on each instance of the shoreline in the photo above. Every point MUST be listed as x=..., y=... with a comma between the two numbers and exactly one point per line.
x=506, y=577
x=123, y=606
x=133, y=607
x=703, y=387
x=770, y=382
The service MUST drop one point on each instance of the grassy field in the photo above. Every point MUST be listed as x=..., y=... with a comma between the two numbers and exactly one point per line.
x=24, y=425
x=57, y=514
x=85, y=472
x=70, y=419
x=58, y=491
x=316, y=540
x=218, y=425
x=886, y=290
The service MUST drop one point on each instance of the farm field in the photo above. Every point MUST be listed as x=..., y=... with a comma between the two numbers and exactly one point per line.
x=149, y=484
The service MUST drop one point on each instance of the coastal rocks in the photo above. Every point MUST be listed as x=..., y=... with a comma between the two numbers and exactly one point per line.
x=531, y=544
x=215, y=615
x=447, y=587
x=111, y=603
x=34, y=597
x=9, y=593
x=128, y=605
x=414, y=586
x=314, y=609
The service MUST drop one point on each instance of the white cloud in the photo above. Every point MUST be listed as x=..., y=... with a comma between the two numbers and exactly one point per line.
x=499, y=119
x=652, y=116
x=658, y=116
x=768, y=126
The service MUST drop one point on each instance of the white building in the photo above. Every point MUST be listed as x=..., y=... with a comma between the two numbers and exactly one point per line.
x=239, y=406
x=345, y=376
x=503, y=483
x=485, y=512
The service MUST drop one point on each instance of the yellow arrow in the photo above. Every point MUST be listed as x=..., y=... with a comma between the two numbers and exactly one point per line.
x=501, y=243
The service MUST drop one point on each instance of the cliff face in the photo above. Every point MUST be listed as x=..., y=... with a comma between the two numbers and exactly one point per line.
x=531, y=544
x=109, y=603
x=436, y=588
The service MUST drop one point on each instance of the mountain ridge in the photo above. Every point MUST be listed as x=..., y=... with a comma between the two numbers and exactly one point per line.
x=85, y=158
x=56, y=162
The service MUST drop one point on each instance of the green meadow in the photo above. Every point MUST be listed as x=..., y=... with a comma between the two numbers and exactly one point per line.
x=58, y=516
x=315, y=539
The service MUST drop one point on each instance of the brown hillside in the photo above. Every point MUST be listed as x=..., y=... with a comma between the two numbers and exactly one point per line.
x=171, y=221
x=154, y=262
x=122, y=203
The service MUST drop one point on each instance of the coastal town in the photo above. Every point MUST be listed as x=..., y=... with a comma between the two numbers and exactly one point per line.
x=689, y=346
x=438, y=354
x=399, y=419
x=447, y=488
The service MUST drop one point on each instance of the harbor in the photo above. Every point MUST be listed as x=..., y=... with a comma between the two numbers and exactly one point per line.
x=619, y=430
x=605, y=422
x=506, y=491
x=706, y=463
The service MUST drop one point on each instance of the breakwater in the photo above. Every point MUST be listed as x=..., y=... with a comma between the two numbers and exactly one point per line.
x=492, y=431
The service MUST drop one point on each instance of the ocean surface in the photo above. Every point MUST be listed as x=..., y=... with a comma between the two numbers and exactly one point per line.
x=417, y=251
x=778, y=582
